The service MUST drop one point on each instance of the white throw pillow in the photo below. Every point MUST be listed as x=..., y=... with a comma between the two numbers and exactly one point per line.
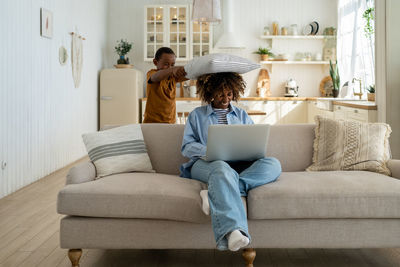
x=118, y=150
x=214, y=63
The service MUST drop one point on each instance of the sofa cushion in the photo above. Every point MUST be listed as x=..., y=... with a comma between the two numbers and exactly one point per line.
x=135, y=195
x=292, y=144
x=329, y=194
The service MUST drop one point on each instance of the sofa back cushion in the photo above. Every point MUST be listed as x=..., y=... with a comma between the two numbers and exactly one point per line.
x=163, y=142
x=291, y=144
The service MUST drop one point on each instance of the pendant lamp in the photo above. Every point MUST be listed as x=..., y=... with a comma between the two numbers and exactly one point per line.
x=206, y=11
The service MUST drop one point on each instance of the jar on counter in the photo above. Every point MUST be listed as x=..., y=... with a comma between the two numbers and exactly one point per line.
x=284, y=31
x=266, y=31
x=293, y=30
x=275, y=28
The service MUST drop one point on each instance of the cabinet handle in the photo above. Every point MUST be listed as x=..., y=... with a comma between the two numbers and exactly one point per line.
x=338, y=108
x=106, y=98
x=355, y=111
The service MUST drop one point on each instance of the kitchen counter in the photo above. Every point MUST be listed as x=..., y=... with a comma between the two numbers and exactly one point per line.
x=357, y=104
x=272, y=98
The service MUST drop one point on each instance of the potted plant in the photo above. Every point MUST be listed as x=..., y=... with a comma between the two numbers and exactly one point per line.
x=264, y=53
x=371, y=92
x=122, y=48
x=334, y=72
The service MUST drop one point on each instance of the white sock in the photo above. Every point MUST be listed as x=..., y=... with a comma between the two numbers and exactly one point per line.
x=237, y=240
x=204, y=197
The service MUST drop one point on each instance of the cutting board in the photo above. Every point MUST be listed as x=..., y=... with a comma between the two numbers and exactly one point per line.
x=263, y=84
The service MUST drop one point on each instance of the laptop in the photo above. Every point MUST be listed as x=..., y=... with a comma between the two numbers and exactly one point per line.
x=236, y=142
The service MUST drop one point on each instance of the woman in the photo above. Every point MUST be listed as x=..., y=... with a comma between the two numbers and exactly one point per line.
x=227, y=181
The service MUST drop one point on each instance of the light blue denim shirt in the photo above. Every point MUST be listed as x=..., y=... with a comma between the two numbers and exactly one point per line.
x=194, y=142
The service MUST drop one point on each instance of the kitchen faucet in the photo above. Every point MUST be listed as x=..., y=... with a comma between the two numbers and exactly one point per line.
x=360, y=93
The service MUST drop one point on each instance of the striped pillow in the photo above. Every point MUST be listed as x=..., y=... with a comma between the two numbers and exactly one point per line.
x=214, y=63
x=117, y=150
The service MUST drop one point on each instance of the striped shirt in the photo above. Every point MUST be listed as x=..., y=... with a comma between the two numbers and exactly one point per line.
x=221, y=115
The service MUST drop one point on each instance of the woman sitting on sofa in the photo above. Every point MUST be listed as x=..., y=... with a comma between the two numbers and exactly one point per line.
x=227, y=181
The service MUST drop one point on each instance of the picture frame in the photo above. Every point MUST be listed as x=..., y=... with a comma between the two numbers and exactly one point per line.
x=46, y=23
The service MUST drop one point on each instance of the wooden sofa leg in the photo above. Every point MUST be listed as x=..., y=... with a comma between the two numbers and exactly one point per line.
x=249, y=254
x=74, y=256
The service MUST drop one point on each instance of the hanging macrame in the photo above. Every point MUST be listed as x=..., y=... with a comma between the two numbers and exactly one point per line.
x=76, y=58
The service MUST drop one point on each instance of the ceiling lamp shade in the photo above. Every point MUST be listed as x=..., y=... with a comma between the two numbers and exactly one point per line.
x=206, y=11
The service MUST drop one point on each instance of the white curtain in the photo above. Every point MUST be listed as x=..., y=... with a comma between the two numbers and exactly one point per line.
x=355, y=51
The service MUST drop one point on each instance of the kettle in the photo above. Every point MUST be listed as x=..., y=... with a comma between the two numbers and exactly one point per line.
x=291, y=88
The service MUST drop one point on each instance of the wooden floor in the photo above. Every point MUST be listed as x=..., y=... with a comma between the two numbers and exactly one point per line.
x=29, y=236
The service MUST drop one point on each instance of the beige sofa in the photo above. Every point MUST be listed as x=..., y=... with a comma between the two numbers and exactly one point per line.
x=340, y=209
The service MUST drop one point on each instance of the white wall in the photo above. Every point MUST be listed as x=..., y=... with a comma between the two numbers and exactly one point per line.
x=42, y=115
x=392, y=73
x=126, y=20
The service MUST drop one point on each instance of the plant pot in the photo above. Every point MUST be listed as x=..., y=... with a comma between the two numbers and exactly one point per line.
x=371, y=96
x=335, y=92
x=121, y=60
x=264, y=57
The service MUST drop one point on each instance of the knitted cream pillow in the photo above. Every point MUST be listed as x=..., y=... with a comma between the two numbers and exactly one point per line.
x=118, y=150
x=350, y=145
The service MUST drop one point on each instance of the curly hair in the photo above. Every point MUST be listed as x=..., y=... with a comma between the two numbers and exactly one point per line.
x=210, y=84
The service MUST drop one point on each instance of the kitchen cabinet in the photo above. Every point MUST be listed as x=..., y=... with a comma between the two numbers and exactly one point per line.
x=293, y=112
x=167, y=25
x=313, y=110
x=201, y=41
x=183, y=108
x=260, y=111
x=354, y=114
x=271, y=109
x=280, y=111
x=361, y=114
x=170, y=25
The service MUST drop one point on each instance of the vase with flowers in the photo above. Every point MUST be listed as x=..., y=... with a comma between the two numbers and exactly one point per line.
x=122, y=48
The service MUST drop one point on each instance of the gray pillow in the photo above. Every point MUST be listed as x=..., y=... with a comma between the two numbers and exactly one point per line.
x=214, y=63
x=117, y=150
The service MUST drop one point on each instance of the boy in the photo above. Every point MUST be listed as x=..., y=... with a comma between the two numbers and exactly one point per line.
x=161, y=87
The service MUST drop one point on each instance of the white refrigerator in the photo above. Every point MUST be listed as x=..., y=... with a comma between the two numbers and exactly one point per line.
x=120, y=91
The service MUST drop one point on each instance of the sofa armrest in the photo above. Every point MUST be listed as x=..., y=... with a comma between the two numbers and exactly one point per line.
x=394, y=167
x=81, y=173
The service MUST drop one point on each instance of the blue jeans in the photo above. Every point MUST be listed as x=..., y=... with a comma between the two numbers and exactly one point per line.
x=226, y=184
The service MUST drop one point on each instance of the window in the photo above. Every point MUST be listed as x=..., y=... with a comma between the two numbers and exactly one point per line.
x=356, y=48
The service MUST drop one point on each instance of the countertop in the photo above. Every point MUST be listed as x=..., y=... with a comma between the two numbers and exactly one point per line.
x=336, y=101
x=273, y=98
x=357, y=104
